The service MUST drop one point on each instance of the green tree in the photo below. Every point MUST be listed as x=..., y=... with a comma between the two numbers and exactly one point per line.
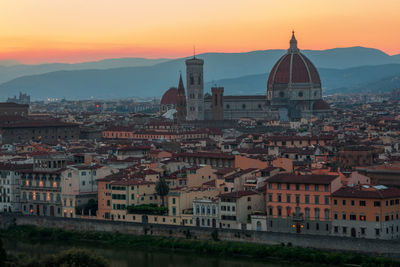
x=3, y=255
x=77, y=258
x=162, y=189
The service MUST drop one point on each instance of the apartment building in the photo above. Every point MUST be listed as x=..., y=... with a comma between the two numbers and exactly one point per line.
x=300, y=203
x=366, y=211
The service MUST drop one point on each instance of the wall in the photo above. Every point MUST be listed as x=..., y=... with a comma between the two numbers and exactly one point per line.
x=383, y=247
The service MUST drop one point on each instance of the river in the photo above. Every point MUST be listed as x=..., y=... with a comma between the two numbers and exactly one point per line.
x=138, y=258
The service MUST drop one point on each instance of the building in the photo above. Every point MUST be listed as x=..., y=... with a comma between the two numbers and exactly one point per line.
x=181, y=107
x=352, y=156
x=205, y=212
x=45, y=131
x=366, y=211
x=237, y=207
x=195, y=89
x=41, y=186
x=300, y=203
x=14, y=109
x=23, y=99
x=294, y=86
x=169, y=100
x=79, y=185
x=10, y=186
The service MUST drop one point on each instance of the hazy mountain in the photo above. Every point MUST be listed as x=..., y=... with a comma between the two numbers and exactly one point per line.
x=221, y=68
x=358, y=79
x=12, y=69
x=6, y=62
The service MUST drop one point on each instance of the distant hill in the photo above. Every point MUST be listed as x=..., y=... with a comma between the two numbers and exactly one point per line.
x=340, y=68
x=11, y=69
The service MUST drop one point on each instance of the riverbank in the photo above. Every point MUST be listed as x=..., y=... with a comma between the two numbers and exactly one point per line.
x=287, y=253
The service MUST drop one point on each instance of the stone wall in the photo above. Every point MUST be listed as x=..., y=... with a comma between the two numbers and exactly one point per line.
x=382, y=247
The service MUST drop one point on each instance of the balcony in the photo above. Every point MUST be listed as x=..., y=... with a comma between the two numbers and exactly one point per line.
x=41, y=188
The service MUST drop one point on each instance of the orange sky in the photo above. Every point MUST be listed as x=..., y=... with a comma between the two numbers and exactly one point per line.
x=33, y=31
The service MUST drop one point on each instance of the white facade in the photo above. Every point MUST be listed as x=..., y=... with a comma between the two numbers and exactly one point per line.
x=9, y=191
x=206, y=213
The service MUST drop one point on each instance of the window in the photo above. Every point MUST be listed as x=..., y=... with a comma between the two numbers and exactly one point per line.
x=336, y=229
x=326, y=200
x=270, y=211
x=307, y=199
x=344, y=202
x=316, y=187
x=377, y=218
x=307, y=187
x=377, y=203
x=326, y=211
x=300, y=94
x=297, y=198
x=288, y=198
x=335, y=202
x=362, y=203
x=297, y=187
x=353, y=217
x=307, y=213
x=352, y=202
x=335, y=216
x=344, y=230
x=279, y=198
x=326, y=188
x=377, y=232
x=173, y=201
x=363, y=217
x=281, y=94
x=279, y=185
x=279, y=211
x=83, y=173
x=344, y=216
x=316, y=210
x=270, y=197
x=316, y=199
x=288, y=186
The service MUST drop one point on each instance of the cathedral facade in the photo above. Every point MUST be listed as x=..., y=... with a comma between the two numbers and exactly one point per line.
x=293, y=92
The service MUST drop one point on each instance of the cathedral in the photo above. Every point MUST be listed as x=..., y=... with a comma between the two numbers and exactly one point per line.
x=293, y=92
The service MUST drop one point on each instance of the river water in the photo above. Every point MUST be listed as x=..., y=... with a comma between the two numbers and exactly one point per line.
x=138, y=258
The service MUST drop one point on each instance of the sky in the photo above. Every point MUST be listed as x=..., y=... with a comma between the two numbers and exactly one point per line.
x=38, y=31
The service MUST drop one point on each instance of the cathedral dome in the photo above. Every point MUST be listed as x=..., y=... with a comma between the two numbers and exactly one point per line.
x=170, y=97
x=292, y=68
x=320, y=105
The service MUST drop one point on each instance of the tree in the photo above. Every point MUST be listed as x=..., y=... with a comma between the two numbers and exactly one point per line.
x=162, y=189
x=77, y=258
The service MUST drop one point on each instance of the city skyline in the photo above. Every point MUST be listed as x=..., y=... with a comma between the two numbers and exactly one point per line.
x=48, y=31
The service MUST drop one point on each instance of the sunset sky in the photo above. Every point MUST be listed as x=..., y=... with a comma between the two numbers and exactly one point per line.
x=35, y=31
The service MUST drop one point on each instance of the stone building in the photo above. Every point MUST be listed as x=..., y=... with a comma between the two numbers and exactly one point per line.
x=45, y=131
x=169, y=100
x=181, y=107
x=195, y=89
x=293, y=92
x=41, y=186
x=13, y=109
x=294, y=86
x=23, y=99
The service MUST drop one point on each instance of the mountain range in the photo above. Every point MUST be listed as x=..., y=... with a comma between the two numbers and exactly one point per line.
x=353, y=69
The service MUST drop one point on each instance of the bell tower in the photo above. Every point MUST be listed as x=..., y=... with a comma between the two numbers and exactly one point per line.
x=195, y=89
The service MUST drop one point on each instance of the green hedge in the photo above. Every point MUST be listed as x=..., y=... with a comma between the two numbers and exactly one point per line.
x=147, y=209
x=225, y=248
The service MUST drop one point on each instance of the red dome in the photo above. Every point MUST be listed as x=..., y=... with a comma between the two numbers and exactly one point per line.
x=320, y=105
x=170, y=97
x=293, y=68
